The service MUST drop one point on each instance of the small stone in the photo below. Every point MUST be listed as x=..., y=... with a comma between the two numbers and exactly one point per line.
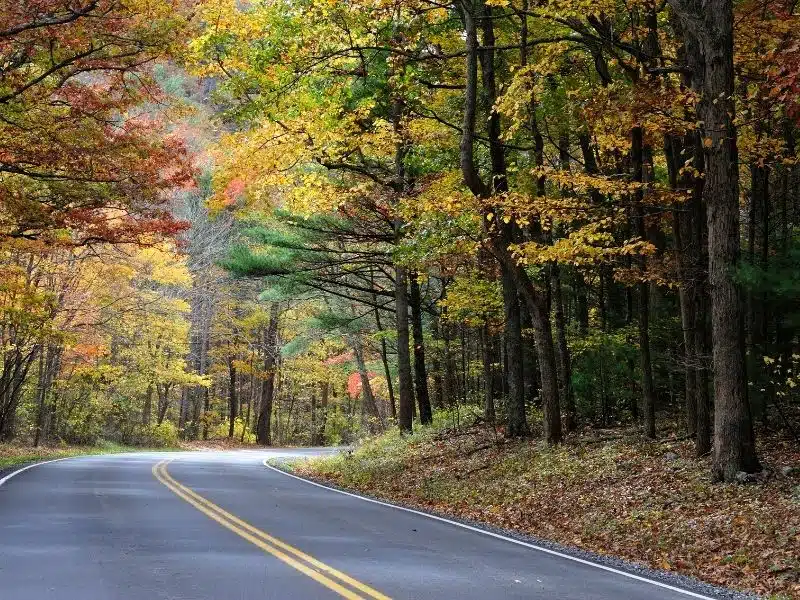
x=742, y=477
x=788, y=471
x=670, y=456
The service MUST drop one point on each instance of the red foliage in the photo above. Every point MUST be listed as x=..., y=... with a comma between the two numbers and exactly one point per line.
x=78, y=164
x=340, y=359
x=354, y=383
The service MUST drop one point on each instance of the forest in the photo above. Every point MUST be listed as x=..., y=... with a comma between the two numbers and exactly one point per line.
x=307, y=222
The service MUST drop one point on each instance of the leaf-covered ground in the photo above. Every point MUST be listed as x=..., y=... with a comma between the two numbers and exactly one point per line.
x=17, y=454
x=649, y=502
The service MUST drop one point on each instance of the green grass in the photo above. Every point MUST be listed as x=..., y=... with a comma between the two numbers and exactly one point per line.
x=11, y=454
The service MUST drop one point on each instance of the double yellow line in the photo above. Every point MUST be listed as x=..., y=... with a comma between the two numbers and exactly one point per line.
x=335, y=580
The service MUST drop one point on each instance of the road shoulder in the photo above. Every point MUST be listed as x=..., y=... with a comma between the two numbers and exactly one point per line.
x=689, y=584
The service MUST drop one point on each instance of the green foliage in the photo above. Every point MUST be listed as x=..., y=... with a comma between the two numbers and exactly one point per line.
x=474, y=300
x=339, y=427
x=221, y=431
x=164, y=435
x=605, y=375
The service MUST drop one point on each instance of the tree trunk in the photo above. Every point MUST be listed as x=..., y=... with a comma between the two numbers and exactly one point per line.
x=420, y=371
x=385, y=360
x=369, y=406
x=232, y=402
x=40, y=399
x=163, y=402
x=564, y=363
x=147, y=411
x=324, y=388
x=710, y=24
x=543, y=335
x=269, y=348
x=405, y=387
x=648, y=389
x=530, y=364
x=314, y=441
x=516, y=421
x=489, y=412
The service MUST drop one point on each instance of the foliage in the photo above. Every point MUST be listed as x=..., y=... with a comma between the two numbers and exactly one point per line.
x=82, y=162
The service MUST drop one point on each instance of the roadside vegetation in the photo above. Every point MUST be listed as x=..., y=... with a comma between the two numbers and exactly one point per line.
x=17, y=454
x=609, y=492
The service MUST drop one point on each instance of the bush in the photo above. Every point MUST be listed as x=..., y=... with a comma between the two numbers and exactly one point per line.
x=221, y=431
x=164, y=435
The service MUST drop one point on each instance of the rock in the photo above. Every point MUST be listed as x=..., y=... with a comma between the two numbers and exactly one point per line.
x=788, y=471
x=670, y=456
x=742, y=477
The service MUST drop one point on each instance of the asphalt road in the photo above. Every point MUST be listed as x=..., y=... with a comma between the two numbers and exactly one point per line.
x=221, y=526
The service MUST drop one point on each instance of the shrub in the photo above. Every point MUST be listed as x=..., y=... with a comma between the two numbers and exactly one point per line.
x=221, y=431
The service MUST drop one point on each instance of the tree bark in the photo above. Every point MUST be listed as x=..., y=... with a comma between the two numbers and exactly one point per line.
x=369, y=406
x=232, y=402
x=324, y=389
x=147, y=410
x=710, y=24
x=385, y=360
x=516, y=420
x=487, y=355
x=564, y=362
x=405, y=385
x=269, y=348
x=646, y=365
x=420, y=371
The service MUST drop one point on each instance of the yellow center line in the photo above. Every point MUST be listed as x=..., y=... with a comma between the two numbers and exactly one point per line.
x=306, y=564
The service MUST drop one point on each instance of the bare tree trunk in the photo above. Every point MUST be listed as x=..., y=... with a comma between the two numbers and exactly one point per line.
x=163, y=402
x=406, y=393
x=710, y=26
x=516, y=420
x=385, y=360
x=324, y=388
x=564, y=363
x=269, y=348
x=232, y=401
x=148, y=405
x=369, y=406
x=40, y=399
x=648, y=389
x=420, y=371
x=314, y=441
x=489, y=412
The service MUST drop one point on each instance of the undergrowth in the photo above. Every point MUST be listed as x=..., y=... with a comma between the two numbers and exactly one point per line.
x=15, y=454
x=650, y=502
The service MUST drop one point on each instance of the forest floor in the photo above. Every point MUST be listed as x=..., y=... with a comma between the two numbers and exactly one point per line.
x=649, y=502
x=217, y=444
x=18, y=454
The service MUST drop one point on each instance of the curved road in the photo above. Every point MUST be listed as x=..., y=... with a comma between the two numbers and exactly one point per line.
x=221, y=526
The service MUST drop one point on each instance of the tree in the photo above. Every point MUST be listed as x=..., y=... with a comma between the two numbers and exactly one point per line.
x=710, y=28
x=83, y=162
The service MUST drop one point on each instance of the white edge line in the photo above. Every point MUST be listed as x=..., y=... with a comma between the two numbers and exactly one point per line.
x=494, y=535
x=38, y=464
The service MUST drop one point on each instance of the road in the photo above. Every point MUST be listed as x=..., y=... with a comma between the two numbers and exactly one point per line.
x=222, y=526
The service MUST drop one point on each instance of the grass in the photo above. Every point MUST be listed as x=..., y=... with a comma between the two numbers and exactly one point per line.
x=649, y=502
x=13, y=454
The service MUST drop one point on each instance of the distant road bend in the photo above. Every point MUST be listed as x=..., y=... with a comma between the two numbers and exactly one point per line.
x=222, y=526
